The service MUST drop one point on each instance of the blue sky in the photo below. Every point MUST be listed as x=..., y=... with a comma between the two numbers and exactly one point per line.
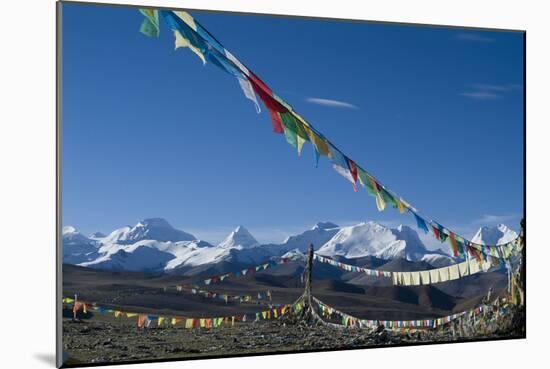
x=436, y=114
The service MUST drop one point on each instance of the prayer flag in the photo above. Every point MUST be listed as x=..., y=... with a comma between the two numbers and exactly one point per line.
x=185, y=33
x=453, y=243
x=289, y=124
x=150, y=25
x=141, y=320
x=400, y=206
x=440, y=234
x=340, y=163
x=189, y=323
x=272, y=105
x=301, y=136
x=245, y=84
x=420, y=223
x=353, y=172
x=380, y=204
x=181, y=41
x=320, y=145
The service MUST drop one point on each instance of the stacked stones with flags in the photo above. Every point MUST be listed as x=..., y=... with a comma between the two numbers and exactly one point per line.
x=191, y=34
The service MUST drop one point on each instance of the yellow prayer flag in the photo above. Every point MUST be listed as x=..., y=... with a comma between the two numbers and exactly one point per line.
x=317, y=141
x=202, y=322
x=161, y=320
x=380, y=204
x=400, y=206
x=299, y=143
x=183, y=42
x=187, y=18
x=189, y=323
x=131, y=315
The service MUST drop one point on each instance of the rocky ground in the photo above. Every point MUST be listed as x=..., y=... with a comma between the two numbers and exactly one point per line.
x=102, y=340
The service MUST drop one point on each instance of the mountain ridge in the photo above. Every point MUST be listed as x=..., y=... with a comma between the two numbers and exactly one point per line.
x=153, y=245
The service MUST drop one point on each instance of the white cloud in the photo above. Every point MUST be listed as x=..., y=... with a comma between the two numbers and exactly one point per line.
x=475, y=37
x=331, y=103
x=481, y=95
x=484, y=91
x=496, y=88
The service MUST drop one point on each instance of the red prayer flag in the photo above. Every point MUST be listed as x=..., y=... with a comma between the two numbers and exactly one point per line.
x=454, y=246
x=141, y=320
x=272, y=105
x=353, y=171
x=77, y=306
x=435, y=231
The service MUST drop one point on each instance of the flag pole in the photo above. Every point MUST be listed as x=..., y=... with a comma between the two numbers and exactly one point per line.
x=74, y=306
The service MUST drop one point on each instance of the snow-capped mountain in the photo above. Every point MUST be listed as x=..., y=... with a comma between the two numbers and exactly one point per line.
x=154, y=245
x=96, y=235
x=240, y=238
x=77, y=248
x=149, y=229
x=373, y=239
x=494, y=235
x=320, y=234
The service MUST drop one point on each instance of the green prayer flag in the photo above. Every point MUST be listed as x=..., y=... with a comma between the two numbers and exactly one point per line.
x=289, y=124
x=150, y=25
x=364, y=178
x=388, y=197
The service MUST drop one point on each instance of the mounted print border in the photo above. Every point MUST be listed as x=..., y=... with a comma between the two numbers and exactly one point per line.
x=147, y=122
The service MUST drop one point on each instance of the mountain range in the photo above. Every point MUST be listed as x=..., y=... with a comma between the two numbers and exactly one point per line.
x=153, y=245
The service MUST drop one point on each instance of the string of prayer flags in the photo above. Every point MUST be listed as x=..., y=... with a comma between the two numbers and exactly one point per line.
x=425, y=277
x=439, y=275
x=250, y=270
x=265, y=295
x=145, y=320
x=191, y=34
x=354, y=322
x=352, y=268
